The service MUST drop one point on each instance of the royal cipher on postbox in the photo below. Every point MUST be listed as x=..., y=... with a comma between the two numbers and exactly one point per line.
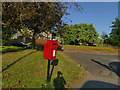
x=50, y=49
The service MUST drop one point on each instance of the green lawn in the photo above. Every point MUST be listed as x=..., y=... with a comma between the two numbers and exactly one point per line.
x=28, y=69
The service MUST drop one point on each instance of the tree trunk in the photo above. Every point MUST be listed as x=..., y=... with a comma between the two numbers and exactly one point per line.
x=33, y=41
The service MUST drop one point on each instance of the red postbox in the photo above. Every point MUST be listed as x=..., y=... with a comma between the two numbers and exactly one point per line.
x=50, y=49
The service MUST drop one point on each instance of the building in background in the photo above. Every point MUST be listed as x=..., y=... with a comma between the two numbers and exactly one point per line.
x=40, y=38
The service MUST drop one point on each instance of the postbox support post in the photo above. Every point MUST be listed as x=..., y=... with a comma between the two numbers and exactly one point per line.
x=48, y=69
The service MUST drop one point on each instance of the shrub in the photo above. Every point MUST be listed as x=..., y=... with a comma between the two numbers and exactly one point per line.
x=84, y=43
x=41, y=46
x=6, y=49
x=9, y=42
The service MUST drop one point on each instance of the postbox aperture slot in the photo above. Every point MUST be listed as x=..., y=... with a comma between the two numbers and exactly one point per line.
x=54, y=44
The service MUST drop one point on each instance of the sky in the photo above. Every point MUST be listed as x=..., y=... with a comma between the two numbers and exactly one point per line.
x=100, y=14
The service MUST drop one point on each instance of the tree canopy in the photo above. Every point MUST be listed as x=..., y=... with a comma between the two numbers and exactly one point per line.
x=104, y=36
x=36, y=16
x=81, y=32
x=115, y=33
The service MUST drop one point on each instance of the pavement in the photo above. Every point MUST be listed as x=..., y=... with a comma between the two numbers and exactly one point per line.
x=104, y=70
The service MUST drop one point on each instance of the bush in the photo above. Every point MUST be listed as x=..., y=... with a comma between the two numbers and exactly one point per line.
x=6, y=49
x=41, y=46
x=116, y=47
x=84, y=43
x=9, y=42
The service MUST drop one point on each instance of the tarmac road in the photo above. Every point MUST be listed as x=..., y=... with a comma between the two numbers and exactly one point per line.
x=104, y=69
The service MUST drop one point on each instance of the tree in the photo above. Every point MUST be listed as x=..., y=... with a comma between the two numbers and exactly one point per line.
x=45, y=17
x=82, y=33
x=10, y=22
x=36, y=16
x=0, y=23
x=0, y=37
x=61, y=30
x=115, y=33
x=69, y=34
x=104, y=36
x=6, y=34
x=99, y=42
x=25, y=33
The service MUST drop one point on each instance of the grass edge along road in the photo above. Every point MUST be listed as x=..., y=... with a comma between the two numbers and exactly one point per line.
x=28, y=69
x=91, y=49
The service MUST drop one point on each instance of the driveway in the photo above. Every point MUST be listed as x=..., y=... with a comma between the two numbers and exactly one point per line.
x=104, y=69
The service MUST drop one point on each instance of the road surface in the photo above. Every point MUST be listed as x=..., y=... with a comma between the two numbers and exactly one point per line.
x=104, y=69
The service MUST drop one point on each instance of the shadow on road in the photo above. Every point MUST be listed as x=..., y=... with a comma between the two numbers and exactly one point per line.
x=113, y=66
x=15, y=62
x=98, y=84
x=59, y=82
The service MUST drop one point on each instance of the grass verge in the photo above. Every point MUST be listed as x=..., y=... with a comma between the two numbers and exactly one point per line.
x=103, y=50
x=28, y=69
x=108, y=49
